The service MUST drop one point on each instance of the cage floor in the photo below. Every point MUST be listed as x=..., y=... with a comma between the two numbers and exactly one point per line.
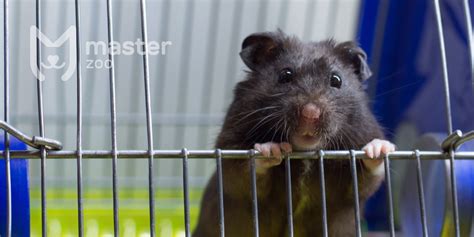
x=98, y=212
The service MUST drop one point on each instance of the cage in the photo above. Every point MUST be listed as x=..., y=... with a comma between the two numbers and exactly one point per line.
x=122, y=144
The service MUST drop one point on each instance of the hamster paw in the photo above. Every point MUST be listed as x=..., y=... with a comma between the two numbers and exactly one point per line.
x=375, y=149
x=273, y=151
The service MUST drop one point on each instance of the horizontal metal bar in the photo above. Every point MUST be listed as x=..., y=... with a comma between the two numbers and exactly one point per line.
x=234, y=154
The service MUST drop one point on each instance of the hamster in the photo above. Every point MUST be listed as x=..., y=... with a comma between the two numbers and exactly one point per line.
x=297, y=96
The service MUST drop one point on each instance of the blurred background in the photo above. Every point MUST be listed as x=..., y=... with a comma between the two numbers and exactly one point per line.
x=192, y=86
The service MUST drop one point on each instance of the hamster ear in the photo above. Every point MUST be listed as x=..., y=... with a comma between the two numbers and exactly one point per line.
x=261, y=48
x=353, y=55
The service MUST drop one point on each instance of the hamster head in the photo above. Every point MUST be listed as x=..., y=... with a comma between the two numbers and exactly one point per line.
x=304, y=93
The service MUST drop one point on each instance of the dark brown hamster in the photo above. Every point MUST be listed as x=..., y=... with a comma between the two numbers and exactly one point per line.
x=296, y=96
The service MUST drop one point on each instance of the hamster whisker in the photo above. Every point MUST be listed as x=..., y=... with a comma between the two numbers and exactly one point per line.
x=250, y=121
x=265, y=120
x=250, y=113
x=278, y=126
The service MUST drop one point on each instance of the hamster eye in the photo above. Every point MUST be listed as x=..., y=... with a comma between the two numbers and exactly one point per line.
x=336, y=81
x=286, y=75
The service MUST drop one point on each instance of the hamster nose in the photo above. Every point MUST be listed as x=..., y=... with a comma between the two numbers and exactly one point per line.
x=310, y=112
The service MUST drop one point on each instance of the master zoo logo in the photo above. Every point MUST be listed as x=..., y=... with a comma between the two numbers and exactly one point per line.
x=93, y=49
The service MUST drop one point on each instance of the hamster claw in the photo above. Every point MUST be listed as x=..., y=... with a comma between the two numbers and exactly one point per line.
x=272, y=150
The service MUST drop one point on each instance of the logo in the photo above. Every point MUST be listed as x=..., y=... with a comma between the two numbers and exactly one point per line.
x=53, y=60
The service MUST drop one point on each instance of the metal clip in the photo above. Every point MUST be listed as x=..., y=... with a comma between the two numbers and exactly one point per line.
x=35, y=142
x=456, y=139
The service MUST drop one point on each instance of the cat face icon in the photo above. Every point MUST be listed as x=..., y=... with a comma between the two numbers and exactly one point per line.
x=53, y=61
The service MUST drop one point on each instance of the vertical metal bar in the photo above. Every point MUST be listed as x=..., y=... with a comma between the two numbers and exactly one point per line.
x=184, y=153
x=467, y=14
x=209, y=71
x=149, y=125
x=444, y=65
x=39, y=90
x=89, y=101
x=448, y=110
x=113, y=113
x=421, y=193
x=377, y=45
x=289, y=200
x=220, y=188
x=61, y=105
x=160, y=87
x=356, y=193
x=253, y=181
x=6, y=109
x=389, y=195
x=322, y=185
x=79, y=121
x=184, y=72
x=132, y=131
x=162, y=61
x=454, y=193
x=234, y=43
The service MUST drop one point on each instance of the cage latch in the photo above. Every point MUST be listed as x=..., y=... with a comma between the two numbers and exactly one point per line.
x=456, y=139
x=35, y=141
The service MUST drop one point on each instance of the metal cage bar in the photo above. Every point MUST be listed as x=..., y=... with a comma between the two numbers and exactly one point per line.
x=454, y=194
x=79, y=120
x=186, y=193
x=162, y=62
x=253, y=180
x=220, y=188
x=289, y=200
x=421, y=193
x=230, y=154
x=388, y=181
x=6, y=109
x=203, y=132
x=184, y=73
x=444, y=65
x=113, y=118
x=467, y=15
x=236, y=30
x=149, y=126
x=322, y=186
x=377, y=46
x=39, y=89
x=356, y=193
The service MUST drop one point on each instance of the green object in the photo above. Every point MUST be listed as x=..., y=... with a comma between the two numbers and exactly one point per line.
x=62, y=214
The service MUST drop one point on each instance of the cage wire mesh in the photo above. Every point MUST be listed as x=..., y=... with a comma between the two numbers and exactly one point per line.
x=190, y=85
